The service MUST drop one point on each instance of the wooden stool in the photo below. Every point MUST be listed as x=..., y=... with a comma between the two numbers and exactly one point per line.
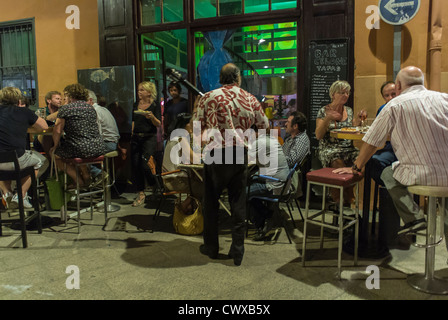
x=428, y=282
x=77, y=162
x=108, y=158
x=326, y=178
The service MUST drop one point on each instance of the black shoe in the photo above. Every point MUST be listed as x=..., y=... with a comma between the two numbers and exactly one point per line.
x=260, y=235
x=413, y=226
x=236, y=259
x=205, y=251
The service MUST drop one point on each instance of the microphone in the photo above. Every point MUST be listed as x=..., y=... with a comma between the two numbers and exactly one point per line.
x=176, y=76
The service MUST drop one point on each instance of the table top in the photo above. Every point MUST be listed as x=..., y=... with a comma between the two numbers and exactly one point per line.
x=347, y=135
x=48, y=132
x=191, y=166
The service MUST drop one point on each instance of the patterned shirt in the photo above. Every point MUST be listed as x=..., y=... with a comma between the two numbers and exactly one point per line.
x=296, y=149
x=417, y=122
x=230, y=110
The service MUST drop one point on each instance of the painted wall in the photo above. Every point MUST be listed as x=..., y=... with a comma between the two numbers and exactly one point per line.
x=60, y=51
x=374, y=52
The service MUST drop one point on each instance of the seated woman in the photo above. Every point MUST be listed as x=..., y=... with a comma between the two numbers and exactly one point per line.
x=82, y=137
x=175, y=154
x=332, y=152
x=14, y=122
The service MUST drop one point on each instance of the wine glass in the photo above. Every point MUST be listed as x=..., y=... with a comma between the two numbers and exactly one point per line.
x=363, y=117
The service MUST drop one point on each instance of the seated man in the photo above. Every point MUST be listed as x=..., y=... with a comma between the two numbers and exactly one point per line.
x=386, y=156
x=297, y=145
x=108, y=130
x=420, y=161
x=53, y=100
x=43, y=143
x=14, y=122
x=272, y=163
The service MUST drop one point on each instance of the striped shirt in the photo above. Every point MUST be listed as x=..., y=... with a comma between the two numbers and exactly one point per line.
x=417, y=123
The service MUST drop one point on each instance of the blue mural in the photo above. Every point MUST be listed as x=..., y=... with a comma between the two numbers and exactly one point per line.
x=213, y=60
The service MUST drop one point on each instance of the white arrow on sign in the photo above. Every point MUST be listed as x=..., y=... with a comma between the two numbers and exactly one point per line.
x=391, y=6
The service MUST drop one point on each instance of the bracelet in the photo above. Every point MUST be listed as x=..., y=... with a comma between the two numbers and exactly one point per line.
x=355, y=168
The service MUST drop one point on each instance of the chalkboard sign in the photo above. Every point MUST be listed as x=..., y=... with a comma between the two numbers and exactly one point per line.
x=328, y=62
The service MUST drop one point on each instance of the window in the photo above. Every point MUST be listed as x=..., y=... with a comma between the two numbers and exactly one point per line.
x=214, y=8
x=18, y=58
x=161, y=50
x=266, y=56
x=161, y=11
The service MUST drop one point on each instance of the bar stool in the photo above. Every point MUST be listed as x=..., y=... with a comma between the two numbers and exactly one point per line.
x=327, y=179
x=427, y=282
x=109, y=158
x=77, y=162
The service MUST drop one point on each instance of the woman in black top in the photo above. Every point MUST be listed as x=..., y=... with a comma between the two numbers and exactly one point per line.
x=145, y=120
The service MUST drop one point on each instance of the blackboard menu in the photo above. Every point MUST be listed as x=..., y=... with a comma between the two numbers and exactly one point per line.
x=328, y=62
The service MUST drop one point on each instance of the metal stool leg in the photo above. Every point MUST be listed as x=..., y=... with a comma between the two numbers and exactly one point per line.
x=340, y=229
x=108, y=200
x=428, y=282
x=307, y=205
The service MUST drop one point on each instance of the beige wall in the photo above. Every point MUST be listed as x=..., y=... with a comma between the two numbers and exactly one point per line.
x=60, y=51
x=374, y=52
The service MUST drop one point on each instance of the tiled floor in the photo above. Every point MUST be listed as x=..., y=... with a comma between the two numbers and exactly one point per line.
x=127, y=262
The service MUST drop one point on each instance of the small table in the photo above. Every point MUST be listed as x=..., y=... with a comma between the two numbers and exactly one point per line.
x=347, y=135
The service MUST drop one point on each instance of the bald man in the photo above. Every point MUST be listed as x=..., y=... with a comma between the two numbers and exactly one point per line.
x=417, y=123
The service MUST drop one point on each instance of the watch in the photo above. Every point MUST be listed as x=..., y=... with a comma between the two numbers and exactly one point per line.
x=355, y=168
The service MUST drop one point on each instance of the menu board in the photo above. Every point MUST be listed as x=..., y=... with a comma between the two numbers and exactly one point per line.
x=328, y=62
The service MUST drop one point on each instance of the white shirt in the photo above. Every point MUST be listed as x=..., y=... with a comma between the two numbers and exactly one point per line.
x=270, y=159
x=106, y=124
x=417, y=122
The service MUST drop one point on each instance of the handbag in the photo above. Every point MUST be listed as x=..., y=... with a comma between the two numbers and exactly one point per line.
x=54, y=187
x=188, y=219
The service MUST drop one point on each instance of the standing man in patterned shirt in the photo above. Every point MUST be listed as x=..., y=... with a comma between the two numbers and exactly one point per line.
x=228, y=109
x=417, y=122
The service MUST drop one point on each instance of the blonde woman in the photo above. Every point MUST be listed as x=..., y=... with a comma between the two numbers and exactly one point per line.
x=145, y=121
x=332, y=152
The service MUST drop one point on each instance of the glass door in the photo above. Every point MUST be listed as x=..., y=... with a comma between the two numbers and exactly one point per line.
x=267, y=58
x=153, y=66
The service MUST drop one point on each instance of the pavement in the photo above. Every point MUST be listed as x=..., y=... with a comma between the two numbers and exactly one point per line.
x=121, y=259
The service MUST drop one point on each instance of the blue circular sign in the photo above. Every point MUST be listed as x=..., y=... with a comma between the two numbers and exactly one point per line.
x=398, y=12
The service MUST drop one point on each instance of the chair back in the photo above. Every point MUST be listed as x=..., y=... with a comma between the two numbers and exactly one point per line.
x=302, y=169
x=287, y=187
x=6, y=157
x=9, y=156
x=152, y=165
